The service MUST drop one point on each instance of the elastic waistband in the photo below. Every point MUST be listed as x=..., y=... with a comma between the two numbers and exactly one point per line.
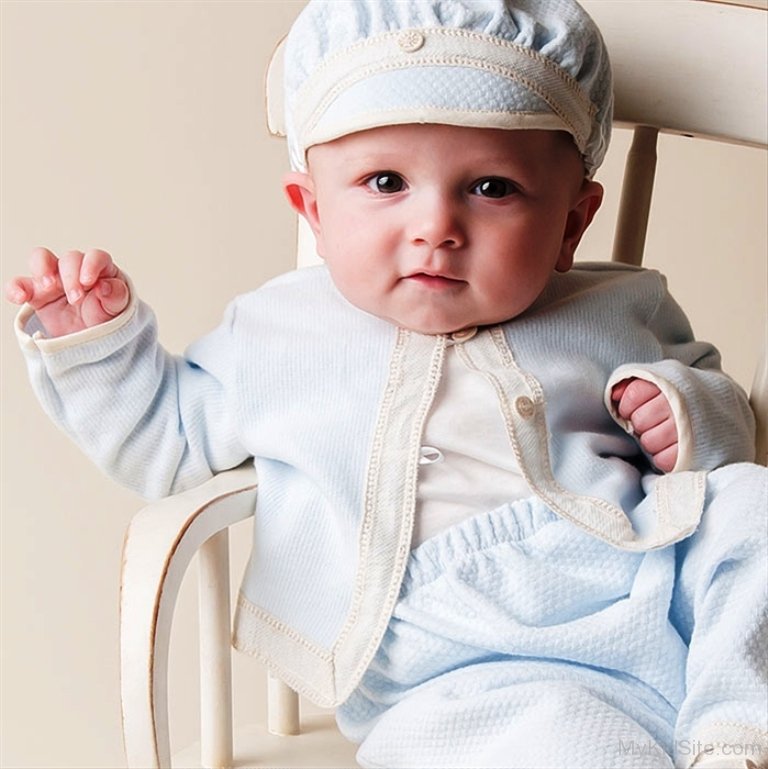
x=512, y=522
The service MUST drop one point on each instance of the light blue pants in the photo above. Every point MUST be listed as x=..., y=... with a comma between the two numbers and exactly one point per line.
x=521, y=641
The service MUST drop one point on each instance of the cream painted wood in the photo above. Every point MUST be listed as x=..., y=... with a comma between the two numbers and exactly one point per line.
x=659, y=49
x=636, y=193
x=318, y=746
x=305, y=242
x=283, y=714
x=761, y=4
x=160, y=543
x=215, y=651
x=273, y=91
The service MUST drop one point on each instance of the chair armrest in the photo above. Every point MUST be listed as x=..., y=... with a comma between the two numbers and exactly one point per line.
x=159, y=545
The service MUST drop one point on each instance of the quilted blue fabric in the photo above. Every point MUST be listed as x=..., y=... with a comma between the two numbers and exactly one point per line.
x=520, y=641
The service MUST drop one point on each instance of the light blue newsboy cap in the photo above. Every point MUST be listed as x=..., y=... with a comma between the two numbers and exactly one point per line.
x=351, y=65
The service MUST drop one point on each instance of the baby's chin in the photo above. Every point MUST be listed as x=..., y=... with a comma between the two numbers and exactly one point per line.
x=430, y=321
x=437, y=327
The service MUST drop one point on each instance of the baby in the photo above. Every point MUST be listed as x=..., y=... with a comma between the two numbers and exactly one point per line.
x=499, y=519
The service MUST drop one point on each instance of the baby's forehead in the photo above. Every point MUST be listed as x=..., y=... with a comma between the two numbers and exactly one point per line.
x=393, y=140
x=445, y=150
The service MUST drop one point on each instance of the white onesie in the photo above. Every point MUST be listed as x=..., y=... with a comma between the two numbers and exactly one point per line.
x=467, y=465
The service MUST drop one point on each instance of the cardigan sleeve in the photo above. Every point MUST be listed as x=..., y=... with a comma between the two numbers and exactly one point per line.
x=155, y=422
x=714, y=421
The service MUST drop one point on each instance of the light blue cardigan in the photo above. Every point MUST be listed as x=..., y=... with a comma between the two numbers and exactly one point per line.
x=332, y=401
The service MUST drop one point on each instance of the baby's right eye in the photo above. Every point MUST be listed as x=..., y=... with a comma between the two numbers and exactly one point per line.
x=386, y=182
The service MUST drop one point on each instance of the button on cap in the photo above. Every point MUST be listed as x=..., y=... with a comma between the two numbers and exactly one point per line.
x=410, y=40
x=525, y=407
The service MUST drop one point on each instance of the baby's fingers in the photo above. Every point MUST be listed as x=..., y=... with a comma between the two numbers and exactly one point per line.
x=19, y=290
x=44, y=266
x=43, y=285
x=37, y=291
x=666, y=459
x=114, y=295
x=69, y=271
x=633, y=395
x=96, y=264
x=108, y=298
x=660, y=437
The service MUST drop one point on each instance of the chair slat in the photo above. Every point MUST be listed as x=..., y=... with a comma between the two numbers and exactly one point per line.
x=636, y=194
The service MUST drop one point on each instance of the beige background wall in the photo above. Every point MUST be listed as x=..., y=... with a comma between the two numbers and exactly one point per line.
x=138, y=127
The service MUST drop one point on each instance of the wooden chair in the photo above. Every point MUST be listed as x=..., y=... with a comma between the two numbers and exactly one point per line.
x=659, y=48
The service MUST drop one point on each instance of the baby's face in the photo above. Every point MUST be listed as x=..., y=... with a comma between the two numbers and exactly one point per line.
x=440, y=228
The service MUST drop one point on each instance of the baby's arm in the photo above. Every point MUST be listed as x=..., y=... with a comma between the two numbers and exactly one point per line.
x=156, y=422
x=73, y=293
x=647, y=409
x=711, y=417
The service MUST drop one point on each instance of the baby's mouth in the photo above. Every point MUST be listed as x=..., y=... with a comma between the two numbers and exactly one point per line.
x=434, y=281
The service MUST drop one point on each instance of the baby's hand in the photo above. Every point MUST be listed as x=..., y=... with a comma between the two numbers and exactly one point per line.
x=649, y=412
x=78, y=291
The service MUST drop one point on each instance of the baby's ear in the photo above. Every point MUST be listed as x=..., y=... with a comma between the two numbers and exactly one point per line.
x=580, y=216
x=300, y=191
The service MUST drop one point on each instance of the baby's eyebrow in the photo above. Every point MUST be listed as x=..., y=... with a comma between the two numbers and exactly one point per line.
x=378, y=159
x=497, y=159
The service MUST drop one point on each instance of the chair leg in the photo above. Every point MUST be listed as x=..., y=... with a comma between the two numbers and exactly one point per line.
x=282, y=708
x=215, y=654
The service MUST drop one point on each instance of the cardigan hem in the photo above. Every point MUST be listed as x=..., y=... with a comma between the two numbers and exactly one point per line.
x=305, y=667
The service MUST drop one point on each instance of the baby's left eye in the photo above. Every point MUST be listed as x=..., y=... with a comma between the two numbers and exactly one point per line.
x=493, y=187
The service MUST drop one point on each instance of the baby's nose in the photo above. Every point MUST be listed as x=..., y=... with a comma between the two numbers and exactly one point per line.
x=437, y=223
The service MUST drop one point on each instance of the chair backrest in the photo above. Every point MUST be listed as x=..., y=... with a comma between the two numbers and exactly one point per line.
x=657, y=52
x=658, y=49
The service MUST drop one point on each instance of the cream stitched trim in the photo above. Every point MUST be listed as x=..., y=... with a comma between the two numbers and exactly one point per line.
x=679, y=497
x=443, y=47
x=444, y=32
x=374, y=462
x=390, y=499
x=245, y=605
x=303, y=665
